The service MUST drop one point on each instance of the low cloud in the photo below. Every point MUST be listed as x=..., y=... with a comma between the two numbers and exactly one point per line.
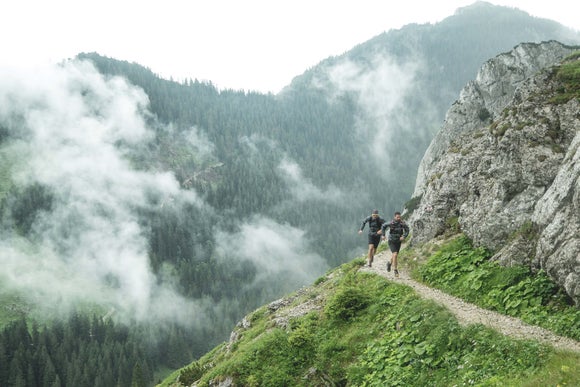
x=198, y=141
x=255, y=143
x=380, y=86
x=303, y=189
x=69, y=130
x=279, y=252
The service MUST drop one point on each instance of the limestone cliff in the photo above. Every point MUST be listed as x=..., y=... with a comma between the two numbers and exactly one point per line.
x=505, y=165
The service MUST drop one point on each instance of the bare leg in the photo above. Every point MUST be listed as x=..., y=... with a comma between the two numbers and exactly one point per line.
x=371, y=254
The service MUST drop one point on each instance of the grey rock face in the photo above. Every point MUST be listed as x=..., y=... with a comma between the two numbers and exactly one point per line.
x=506, y=166
x=483, y=99
x=558, y=248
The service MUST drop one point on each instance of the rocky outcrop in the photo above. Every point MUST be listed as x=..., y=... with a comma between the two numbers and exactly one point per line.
x=483, y=99
x=505, y=166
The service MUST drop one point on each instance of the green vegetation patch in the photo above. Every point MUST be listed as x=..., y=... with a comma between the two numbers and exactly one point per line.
x=464, y=271
x=413, y=204
x=569, y=74
x=561, y=370
x=367, y=332
x=347, y=303
x=435, y=353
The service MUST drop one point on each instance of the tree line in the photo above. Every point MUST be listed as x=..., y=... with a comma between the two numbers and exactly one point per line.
x=78, y=352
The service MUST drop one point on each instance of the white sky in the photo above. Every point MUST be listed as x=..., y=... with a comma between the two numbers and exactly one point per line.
x=239, y=44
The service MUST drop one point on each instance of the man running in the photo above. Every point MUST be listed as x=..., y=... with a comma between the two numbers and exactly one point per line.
x=375, y=224
x=398, y=231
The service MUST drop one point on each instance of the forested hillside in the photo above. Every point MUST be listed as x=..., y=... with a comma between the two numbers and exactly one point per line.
x=350, y=130
x=175, y=208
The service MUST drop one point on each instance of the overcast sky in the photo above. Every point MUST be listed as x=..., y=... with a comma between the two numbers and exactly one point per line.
x=239, y=44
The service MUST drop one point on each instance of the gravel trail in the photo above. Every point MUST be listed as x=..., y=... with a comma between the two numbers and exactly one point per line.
x=467, y=313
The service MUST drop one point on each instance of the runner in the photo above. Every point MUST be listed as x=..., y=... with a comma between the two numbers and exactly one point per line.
x=375, y=224
x=397, y=232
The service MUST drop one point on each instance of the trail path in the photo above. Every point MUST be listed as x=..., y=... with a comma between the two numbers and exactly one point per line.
x=467, y=313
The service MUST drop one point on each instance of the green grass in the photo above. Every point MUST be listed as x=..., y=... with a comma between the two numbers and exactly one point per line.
x=372, y=332
x=569, y=74
x=464, y=271
x=561, y=370
x=169, y=378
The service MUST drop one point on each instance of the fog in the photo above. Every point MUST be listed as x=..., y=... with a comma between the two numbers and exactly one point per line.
x=69, y=130
x=279, y=251
x=303, y=189
x=380, y=87
x=72, y=130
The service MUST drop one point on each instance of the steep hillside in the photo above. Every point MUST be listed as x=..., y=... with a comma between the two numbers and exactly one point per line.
x=361, y=326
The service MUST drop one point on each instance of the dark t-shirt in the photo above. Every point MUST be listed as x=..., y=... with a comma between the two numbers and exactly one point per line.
x=397, y=229
x=375, y=224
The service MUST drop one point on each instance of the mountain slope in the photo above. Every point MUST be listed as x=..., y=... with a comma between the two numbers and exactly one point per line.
x=351, y=129
x=353, y=327
x=345, y=137
x=403, y=82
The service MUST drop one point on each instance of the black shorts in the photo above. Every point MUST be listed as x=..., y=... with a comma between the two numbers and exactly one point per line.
x=395, y=246
x=374, y=239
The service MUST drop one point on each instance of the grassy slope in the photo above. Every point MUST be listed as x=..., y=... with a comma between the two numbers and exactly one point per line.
x=465, y=272
x=365, y=330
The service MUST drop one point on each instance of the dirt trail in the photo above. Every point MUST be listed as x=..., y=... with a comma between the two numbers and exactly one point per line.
x=467, y=313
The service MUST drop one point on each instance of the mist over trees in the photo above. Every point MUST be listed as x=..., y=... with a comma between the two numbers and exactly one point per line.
x=197, y=204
